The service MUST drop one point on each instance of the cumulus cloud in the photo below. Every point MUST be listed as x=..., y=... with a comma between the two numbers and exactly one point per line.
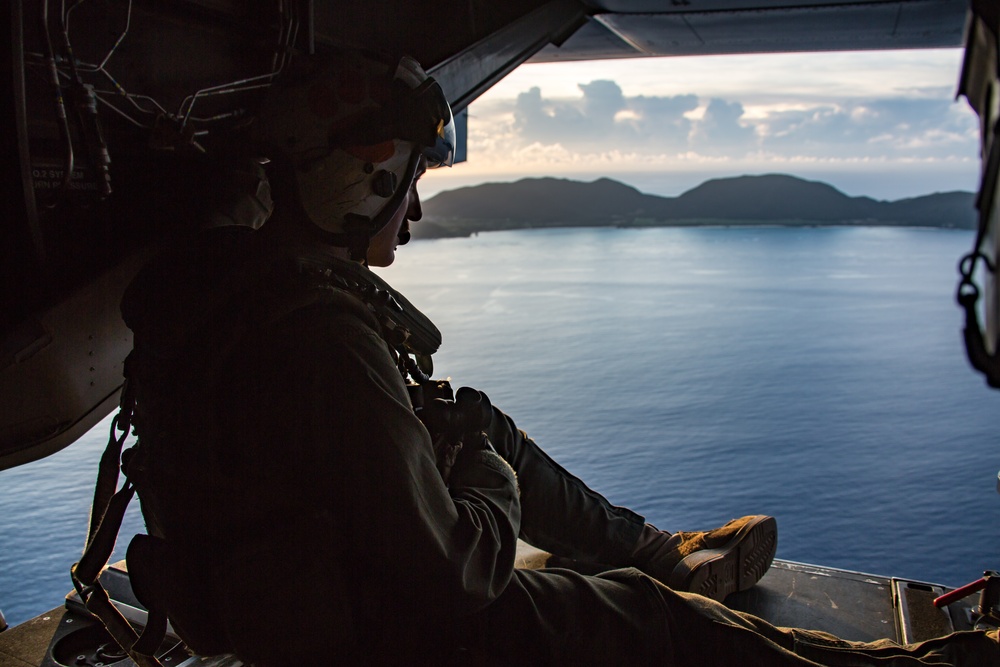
x=910, y=128
x=722, y=131
x=604, y=119
x=601, y=117
x=602, y=100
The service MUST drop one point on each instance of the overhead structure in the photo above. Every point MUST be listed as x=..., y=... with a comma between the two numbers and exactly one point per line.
x=635, y=28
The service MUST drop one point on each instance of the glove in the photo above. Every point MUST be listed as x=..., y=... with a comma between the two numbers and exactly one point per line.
x=458, y=426
x=446, y=454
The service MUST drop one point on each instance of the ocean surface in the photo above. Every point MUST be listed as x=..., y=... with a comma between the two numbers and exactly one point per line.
x=695, y=375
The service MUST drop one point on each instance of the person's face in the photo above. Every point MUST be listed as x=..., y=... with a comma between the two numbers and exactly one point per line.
x=382, y=249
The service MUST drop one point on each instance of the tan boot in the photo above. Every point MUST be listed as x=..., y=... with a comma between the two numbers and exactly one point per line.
x=713, y=563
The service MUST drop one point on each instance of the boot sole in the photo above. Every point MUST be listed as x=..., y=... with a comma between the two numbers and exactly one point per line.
x=736, y=566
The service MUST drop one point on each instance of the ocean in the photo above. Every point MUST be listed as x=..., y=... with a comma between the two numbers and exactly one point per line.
x=695, y=375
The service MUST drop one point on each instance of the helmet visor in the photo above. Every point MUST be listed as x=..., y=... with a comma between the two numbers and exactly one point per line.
x=432, y=125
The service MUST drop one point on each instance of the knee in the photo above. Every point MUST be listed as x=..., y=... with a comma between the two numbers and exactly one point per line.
x=504, y=434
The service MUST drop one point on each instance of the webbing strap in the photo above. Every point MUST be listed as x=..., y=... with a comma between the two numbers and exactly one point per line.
x=153, y=634
x=968, y=293
x=98, y=551
x=99, y=604
x=106, y=516
x=975, y=345
x=87, y=572
x=107, y=475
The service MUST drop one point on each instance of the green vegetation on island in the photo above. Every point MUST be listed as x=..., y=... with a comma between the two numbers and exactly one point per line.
x=772, y=199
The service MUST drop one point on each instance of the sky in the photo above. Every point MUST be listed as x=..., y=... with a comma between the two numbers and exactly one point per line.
x=883, y=124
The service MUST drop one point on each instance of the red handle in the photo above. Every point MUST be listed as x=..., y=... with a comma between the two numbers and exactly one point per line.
x=960, y=593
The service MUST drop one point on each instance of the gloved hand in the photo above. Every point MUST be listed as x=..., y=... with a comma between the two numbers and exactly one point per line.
x=458, y=426
x=446, y=454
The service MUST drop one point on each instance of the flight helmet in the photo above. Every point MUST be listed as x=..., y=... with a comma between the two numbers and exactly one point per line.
x=350, y=133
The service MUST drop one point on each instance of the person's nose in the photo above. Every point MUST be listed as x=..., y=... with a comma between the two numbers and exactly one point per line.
x=414, y=212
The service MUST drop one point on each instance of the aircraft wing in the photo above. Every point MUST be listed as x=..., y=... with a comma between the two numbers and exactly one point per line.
x=631, y=28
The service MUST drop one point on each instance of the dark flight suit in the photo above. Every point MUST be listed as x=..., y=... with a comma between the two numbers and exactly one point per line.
x=327, y=530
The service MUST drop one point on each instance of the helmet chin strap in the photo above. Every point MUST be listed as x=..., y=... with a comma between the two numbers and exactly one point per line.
x=358, y=236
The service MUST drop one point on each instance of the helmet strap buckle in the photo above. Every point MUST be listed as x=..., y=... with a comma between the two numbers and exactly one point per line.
x=358, y=230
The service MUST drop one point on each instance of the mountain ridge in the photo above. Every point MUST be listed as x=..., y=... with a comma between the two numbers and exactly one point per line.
x=779, y=199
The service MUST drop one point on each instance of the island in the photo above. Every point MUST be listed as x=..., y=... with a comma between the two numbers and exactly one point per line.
x=770, y=199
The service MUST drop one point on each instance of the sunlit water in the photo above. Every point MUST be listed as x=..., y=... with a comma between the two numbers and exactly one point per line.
x=692, y=374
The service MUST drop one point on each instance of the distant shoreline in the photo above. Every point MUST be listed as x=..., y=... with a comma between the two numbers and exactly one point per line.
x=720, y=225
x=747, y=201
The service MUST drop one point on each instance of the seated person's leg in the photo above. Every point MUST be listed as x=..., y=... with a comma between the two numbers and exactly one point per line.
x=564, y=516
x=560, y=513
x=622, y=617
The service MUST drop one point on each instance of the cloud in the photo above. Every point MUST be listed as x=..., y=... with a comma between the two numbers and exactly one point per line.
x=547, y=122
x=602, y=100
x=662, y=120
x=904, y=128
x=721, y=132
x=603, y=119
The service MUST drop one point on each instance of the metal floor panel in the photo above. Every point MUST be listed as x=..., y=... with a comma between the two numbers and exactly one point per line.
x=849, y=605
